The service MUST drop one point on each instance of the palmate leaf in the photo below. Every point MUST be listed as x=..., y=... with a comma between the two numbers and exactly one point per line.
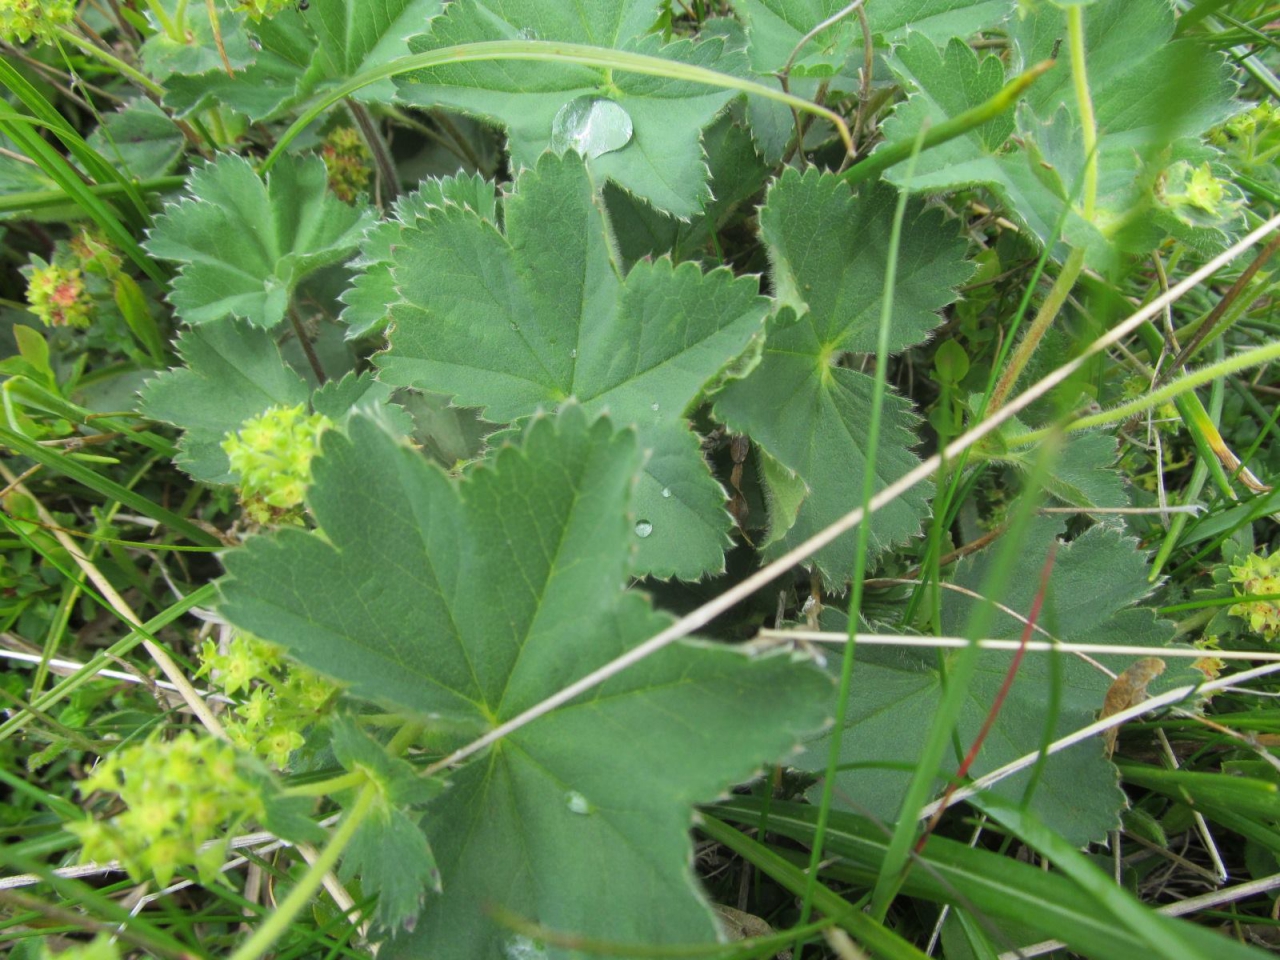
x=1096, y=579
x=301, y=52
x=516, y=320
x=475, y=600
x=662, y=161
x=244, y=245
x=828, y=250
x=1135, y=73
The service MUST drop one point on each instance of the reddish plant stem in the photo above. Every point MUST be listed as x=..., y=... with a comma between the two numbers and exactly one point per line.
x=998, y=702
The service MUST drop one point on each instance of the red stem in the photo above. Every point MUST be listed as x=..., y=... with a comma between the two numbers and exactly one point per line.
x=998, y=702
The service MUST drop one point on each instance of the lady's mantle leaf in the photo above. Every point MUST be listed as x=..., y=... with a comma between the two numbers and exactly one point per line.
x=1095, y=580
x=301, y=52
x=475, y=600
x=245, y=244
x=368, y=301
x=829, y=251
x=517, y=320
x=661, y=161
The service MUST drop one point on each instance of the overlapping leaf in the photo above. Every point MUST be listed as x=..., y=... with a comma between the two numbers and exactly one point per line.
x=802, y=404
x=527, y=318
x=299, y=52
x=834, y=55
x=661, y=162
x=244, y=245
x=233, y=372
x=368, y=301
x=476, y=600
x=1135, y=73
x=1094, y=583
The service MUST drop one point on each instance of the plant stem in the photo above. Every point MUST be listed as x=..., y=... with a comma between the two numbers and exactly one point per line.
x=278, y=922
x=892, y=154
x=1197, y=378
x=1084, y=103
x=111, y=60
x=307, y=348
x=1047, y=313
x=378, y=148
x=544, y=51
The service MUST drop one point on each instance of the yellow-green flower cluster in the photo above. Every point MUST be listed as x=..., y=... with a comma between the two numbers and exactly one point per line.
x=278, y=700
x=101, y=947
x=20, y=20
x=183, y=798
x=272, y=454
x=56, y=294
x=1258, y=576
x=1197, y=196
x=262, y=9
x=347, y=160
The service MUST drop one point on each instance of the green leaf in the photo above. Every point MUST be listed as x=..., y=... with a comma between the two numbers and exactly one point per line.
x=140, y=139
x=234, y=372
x=303, y=52
x=1083, y=474
x=828, y=252
x=1134, y=73
x=389, y=852
x=1095, y=579
x=737, y=174
x=244, y=245
x=197, y=51
x=662, y=161
x=368, y=300
x=522, y=319
x=475, y=600
x=834, y=56
x=360, y=392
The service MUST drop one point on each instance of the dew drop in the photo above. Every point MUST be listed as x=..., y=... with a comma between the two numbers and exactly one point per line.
x=643, y=528
x=666, y=492
x=577, y=803
x=591, y=126
x=522, y=948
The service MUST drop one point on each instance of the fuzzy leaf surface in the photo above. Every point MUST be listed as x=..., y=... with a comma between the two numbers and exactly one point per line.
x=476, y=599
x=245, y=244
x=1135, y=71
x=369, y=298
x=663, y=161
x=1095, y=581
x=524, y=318
x=828, y=252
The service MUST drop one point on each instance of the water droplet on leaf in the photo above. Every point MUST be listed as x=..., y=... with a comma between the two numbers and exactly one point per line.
x=643, y=528
x=591, y=126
